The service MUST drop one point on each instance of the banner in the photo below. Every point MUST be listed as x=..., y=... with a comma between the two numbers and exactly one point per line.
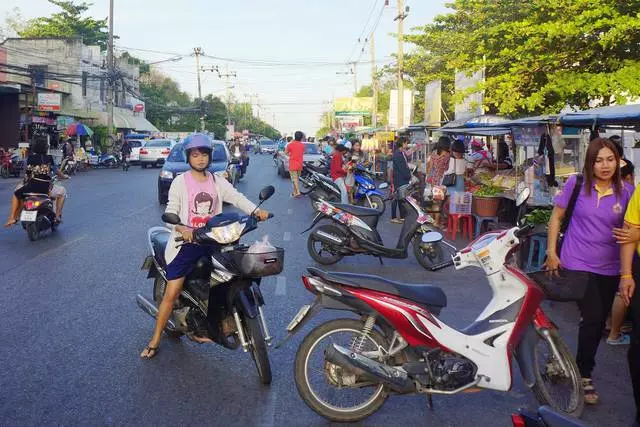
x=407, y=109
x=355, y=106
x=49, y=101
x=471, y=106
x=433, y=103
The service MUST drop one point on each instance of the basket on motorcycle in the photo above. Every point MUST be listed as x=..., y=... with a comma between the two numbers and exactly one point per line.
x=253, y=265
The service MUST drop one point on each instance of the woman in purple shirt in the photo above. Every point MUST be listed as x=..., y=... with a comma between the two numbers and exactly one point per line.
x=590, y=246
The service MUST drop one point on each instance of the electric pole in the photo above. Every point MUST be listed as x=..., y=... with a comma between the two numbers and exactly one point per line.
x=374, y=83
x=198, y=51
x=400, y=18
x=110, y=75
x=354, y=71
x=227, y=76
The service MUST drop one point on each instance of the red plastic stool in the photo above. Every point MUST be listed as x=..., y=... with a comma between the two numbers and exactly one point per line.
x=466, y=223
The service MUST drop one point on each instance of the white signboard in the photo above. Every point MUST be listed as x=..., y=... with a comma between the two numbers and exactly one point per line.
x=49, y=101
x=433, y=103
x=407, y=109
x=471, y=106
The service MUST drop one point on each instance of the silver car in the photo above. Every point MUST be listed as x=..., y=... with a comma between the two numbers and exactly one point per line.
x=311, y=154
x=155, y=152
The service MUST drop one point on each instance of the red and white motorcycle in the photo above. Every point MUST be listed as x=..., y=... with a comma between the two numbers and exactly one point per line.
x=346, y=368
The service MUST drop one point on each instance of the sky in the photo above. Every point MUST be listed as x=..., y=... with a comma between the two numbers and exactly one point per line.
x=289, y=56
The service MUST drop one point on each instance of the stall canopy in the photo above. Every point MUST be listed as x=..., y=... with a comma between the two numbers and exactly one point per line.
x=478, y=131
x=478, y=121
x=529, y=121
x=620, y=115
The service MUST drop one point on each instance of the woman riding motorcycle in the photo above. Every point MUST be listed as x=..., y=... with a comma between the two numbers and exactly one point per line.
x=195, y=196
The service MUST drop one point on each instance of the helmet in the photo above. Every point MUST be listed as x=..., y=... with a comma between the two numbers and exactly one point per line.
x=458, y=146
x=198, y=140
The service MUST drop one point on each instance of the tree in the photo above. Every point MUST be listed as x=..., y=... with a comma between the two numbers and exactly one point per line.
x=68, y=23
x=539, y=56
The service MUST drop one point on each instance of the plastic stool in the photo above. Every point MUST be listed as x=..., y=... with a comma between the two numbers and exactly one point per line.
x=541, y=241
x=482, y=219
x=466, y=223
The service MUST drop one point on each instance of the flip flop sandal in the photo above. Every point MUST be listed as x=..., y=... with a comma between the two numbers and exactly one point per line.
x=590, y=395
x=151, y=352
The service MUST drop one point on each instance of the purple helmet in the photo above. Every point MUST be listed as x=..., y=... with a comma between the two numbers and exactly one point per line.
x=197, y=140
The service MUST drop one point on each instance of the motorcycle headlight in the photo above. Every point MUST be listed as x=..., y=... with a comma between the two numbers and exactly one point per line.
x=166, y=174
x=226, y=234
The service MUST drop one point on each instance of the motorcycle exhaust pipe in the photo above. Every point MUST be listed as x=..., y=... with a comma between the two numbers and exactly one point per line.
x=397, y=379
x=328, y=238
x=151, y=309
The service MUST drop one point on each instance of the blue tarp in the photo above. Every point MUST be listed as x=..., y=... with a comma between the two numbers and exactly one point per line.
x=529, y=121
x=621, y=115
x=479, y=131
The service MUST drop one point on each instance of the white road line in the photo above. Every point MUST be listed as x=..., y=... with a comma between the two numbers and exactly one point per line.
x=281, y=286
x=269, y=418
x=287, y=236
x=139, y=211
x=58, y=248
x=290, y=211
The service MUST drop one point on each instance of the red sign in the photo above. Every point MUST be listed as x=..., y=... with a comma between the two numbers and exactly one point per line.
x=138, y=108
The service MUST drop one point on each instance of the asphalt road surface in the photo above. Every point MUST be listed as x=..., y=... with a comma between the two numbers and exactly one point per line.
x=71, y=331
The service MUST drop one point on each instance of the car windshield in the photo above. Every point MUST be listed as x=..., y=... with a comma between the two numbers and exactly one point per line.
x=177, y=154
x=310, y=149
x=158, y=143
x=134, y=143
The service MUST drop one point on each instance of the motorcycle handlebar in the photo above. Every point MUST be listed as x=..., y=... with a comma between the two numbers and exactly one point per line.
x=524, y=230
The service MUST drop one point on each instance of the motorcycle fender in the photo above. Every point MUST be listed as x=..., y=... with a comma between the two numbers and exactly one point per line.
x=316, y=220
x=524, y=354
x=376, y=192
x=246, y=304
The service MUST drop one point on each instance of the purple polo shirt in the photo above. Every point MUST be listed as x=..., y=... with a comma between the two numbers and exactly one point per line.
x=589, y=244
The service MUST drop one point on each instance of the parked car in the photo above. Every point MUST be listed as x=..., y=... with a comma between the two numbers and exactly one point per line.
x=155, y=152
x=176, y=164
x=135, y=144
x=311, y=154
x=268, y=146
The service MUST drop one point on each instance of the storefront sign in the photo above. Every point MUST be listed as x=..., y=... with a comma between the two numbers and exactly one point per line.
x=49, y=101
x=472, y=104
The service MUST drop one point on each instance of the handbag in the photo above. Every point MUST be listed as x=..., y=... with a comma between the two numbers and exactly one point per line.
x=450, y=179
x=564, y=285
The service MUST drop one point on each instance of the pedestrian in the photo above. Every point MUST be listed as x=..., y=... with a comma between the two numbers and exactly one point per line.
x=437, y=164
x=295, y=150
x=401, y=179
x=195, y=196
x=338, y=172
x=331, y=143
x=457, y=166
x=589, y=246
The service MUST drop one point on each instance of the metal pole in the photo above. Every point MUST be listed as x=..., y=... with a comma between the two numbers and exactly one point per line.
x=400, y=63
x=110, y=75
x=198, y=52
x=374, y=83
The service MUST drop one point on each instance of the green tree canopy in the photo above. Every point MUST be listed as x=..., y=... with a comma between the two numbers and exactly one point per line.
x=67, y=23
x=540, y=55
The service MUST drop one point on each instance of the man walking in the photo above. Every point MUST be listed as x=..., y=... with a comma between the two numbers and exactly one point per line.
x=401, y=179
x=295, y=151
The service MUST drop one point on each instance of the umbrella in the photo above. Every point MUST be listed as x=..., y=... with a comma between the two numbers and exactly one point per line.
x=79, y=129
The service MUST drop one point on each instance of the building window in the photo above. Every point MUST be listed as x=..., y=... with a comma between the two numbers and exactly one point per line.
x=84, y=83
x=38, y=73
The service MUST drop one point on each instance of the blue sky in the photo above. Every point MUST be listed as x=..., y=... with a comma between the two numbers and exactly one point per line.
x=289, y=33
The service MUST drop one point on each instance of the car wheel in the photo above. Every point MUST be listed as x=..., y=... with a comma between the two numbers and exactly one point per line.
x=143, y=165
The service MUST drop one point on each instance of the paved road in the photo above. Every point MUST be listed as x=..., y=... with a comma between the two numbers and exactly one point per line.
x=72, y=332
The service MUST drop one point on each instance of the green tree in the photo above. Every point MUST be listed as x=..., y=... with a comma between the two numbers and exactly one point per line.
x=538, y=55
x=67, y=23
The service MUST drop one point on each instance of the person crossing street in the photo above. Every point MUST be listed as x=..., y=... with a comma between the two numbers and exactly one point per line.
x=295, y=151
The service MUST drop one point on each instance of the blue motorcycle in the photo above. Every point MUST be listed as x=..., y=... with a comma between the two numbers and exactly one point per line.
x=366, y=194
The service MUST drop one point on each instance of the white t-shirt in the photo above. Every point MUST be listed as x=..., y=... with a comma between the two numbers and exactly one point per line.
x=457, y=166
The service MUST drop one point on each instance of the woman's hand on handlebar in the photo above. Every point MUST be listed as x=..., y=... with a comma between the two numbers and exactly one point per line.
x=185, y=232
x=262, y=215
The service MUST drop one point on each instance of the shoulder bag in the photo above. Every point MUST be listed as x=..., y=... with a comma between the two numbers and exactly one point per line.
x=450, y=179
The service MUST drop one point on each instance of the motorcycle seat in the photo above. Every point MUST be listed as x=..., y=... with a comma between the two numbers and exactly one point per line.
x=430, y=295
x=159, y=239
x=553, y=418
x=357, y=210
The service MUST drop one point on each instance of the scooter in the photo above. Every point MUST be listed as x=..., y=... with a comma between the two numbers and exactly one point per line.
x=37, y=215
x=10, y=164
x=221, y=299
x=366, y=194
x=306, y=177
x=107, y=161
x=346, y=368
x=544, y=417
x=70, y=166
x=353, y=231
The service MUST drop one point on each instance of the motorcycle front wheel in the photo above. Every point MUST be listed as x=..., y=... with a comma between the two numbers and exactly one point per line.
x=427, y=254
x=258, y=349
x=375, y=202
x=321, y=252
x=332, y=391
x=554, y=387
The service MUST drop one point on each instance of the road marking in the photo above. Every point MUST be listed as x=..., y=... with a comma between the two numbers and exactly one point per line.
x=287, y=236
x=290, y=211
x=139, y=211
x=58, y=248
x=269, y=418
x=281, y=286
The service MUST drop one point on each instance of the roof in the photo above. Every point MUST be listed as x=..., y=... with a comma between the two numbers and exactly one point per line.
x=622, y=115
x=479, y=131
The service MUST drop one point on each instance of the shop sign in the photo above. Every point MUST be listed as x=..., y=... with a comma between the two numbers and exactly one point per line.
x=49, y=101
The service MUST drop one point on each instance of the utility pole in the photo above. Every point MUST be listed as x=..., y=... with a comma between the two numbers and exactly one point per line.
x=227, y=77
x=198, y=51
x=354, y=71
x=374, y=83
x=400, y=18
x=110, y=75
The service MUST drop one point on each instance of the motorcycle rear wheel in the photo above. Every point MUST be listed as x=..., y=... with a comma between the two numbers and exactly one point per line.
x=33, y=232
x=377, y=203
x=552, y=375
x=258, y=349
x=331, y=372
x=316, y=253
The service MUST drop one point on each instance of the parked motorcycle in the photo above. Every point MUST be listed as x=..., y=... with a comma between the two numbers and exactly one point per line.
x=318, y=166
x=545, y=417
x=366, y=194
x=107, y=161
x=69, y=167
x=353, y=231
x=221, y=298
x=10, y=164
x=37, y=215
x=346, y=368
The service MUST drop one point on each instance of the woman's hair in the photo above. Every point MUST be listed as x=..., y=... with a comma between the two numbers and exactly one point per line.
x=590, y=160
x=353, y=145
x=444, y=144
x=40, y=146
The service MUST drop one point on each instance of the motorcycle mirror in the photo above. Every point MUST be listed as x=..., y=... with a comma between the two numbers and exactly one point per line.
x=266, y=193
x=171, y=218
x=383, y=186
x=523, y=196
x=431, y=237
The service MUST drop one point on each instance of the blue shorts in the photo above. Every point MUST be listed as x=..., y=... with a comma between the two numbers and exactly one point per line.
x=186, y=260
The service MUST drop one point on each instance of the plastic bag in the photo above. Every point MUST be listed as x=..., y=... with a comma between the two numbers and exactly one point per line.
x=262, y=246
x=261, y=251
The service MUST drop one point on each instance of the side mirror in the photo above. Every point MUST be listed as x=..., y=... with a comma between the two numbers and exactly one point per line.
x=266, y=193
x=383, y=186
x=171, y=218
x=523, y=196
x=431, y=237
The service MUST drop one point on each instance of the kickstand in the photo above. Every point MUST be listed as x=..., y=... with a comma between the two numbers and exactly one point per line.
x=430, y=401
x=380, y=258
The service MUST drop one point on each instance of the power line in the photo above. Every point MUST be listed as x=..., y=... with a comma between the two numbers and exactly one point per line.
x=363, y=30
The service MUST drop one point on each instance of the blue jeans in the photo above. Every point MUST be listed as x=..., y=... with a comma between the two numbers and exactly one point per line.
x=344, y=196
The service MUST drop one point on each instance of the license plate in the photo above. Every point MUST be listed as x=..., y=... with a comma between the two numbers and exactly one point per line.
x=298, y=317
x=28, y=216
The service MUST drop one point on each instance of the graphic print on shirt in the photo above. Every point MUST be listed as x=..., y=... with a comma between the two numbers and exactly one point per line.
x=202, y=209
